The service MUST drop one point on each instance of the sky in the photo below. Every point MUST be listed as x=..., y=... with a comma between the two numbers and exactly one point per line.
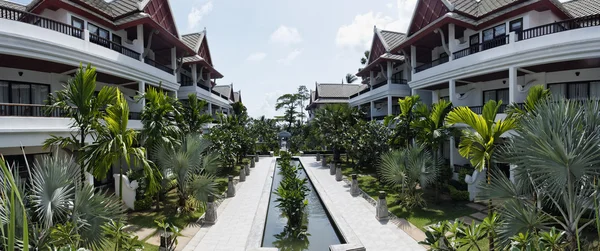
x=267, y=48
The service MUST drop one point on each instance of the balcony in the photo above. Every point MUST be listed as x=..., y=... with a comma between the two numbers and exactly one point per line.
x=378, y=85
x=433, y=63
x=114, y=46
x=571, y=24
x=33, y=19
x=479, y=109
x=499, y=41
x=158, y=65
x=30, y=110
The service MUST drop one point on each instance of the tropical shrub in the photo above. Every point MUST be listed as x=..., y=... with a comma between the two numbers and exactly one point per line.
x=333, y=123
x=458, y=195
x=143, y=203
x=122, y=239
x=366, y=142
x=407, y=168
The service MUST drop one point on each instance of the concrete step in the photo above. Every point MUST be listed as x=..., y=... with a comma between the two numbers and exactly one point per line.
x=477, y=206
x=479, y=216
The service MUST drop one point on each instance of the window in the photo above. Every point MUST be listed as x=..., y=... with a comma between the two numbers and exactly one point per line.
x=23, y=93
x=447, y=98
x=516, y=25
x=397, y=78
x=443, y=58
x=4, y=92
x=494, y=37
x=497, y=95
x=77, y=23
x=116, y=39
x=474, y=39
x=576, y=90
x=102, y=36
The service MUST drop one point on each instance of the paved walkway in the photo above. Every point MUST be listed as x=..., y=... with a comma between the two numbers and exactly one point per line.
x=235, y=215
x=357, y=212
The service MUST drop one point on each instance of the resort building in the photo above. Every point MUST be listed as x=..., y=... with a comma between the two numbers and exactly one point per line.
x=469, y=52
x=133, y=45
x=328, y=93
x=385, y=77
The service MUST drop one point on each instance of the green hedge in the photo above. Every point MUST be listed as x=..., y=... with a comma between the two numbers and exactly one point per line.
x=458, y=195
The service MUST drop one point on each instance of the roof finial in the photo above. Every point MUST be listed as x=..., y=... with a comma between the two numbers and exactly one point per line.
x=374, y=28
x=204, y=30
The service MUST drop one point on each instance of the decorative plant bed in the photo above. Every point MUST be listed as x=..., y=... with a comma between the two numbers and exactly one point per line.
x=321, y=232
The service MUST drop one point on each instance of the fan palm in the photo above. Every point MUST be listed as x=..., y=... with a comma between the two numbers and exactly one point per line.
x=479, y=141
x=407, y=168
x=81, y=103
x=191, y=166
x=116, y=142
x=560, y=162
x=57, y=197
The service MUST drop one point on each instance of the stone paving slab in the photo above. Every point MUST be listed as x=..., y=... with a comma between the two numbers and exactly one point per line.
x=478, y=216
x=477, y=207
x=468, y=220
x=356, y=212
x=234, y=215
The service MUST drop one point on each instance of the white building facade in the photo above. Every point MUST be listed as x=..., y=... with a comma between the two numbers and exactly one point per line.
x=132, y=44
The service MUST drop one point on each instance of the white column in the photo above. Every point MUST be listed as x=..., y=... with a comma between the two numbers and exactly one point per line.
x=452, y=90
x=413, y=58
x=452, y=95
x=194, y=74
x=210, y=108
x=174, y=59
x=389, y=72
x=208, y=80
x=451, y=41
x=142, y=90
x=512, y=84
x=372, y=105
x=413, y=92
x=371, y=80
x=434, y=97
x=139, y=43
x=389, y=103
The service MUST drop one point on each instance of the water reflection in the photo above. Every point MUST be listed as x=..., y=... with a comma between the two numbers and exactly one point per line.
x=292, y=239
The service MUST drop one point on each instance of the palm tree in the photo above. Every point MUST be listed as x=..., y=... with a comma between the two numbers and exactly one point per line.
x=537, y=94
x=190, y=166
x=364, y=59
x=406, y=168
x=289, y=102
x=403, y=123
x=479, y=141
x=116, y=142
x=559, y=163
x=194, y=114
x=56, y=198
x=350, y=78
x=159, y=119
x=80, y=101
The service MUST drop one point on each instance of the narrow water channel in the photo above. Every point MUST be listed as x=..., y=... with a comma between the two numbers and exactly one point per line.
x=321, y=230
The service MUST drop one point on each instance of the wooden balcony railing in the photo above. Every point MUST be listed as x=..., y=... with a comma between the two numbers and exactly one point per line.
x=30, y=110
x=114, y=46
x=571, y=24
x=158, y=65
x=33, y=19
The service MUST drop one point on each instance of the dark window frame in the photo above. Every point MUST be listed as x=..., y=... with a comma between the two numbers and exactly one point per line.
x=112, y=38
x=471, y=40
x=10, y=93
x=73, y=19
x=98, y=28
x=510, y=24
x=447, y=98
x=495, y=94
x=566, y=96
x=494, y=35
x=397, y=77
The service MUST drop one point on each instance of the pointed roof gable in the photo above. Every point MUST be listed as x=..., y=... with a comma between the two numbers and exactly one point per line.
x=383, y=42
x=160, y=12
x=426, y=12
x=199, y=43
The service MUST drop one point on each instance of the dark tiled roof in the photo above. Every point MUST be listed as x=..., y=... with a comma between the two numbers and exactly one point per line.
x=481, y=7
x=12, y=5
x=194, y=58
x=392, y=38
x=336, y=90
x=580, y=8
x=193, y=40
x=391, y=56
x=224, y=90
x=115, y=8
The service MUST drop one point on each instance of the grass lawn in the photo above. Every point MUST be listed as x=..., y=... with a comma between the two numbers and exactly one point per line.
x=420, y=217
x=168, y=213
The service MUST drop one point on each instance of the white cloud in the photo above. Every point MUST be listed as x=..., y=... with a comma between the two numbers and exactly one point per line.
x=286, y=36
x=359, y=33
x=390, y=5
x=196, y=14
x=267, y=107
x=257, y=56
x=290, y=57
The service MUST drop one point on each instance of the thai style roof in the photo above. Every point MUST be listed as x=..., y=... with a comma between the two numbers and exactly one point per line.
x=237, y=96
x=193, y=40
x=326, y=90
x=12, y=5
x=581, y=8
x=479, y=8
x=391, y=39
x=224, y=90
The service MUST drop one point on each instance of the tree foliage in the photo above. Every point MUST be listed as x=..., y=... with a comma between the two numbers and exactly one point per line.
x=367, y=141
x=334, y=122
